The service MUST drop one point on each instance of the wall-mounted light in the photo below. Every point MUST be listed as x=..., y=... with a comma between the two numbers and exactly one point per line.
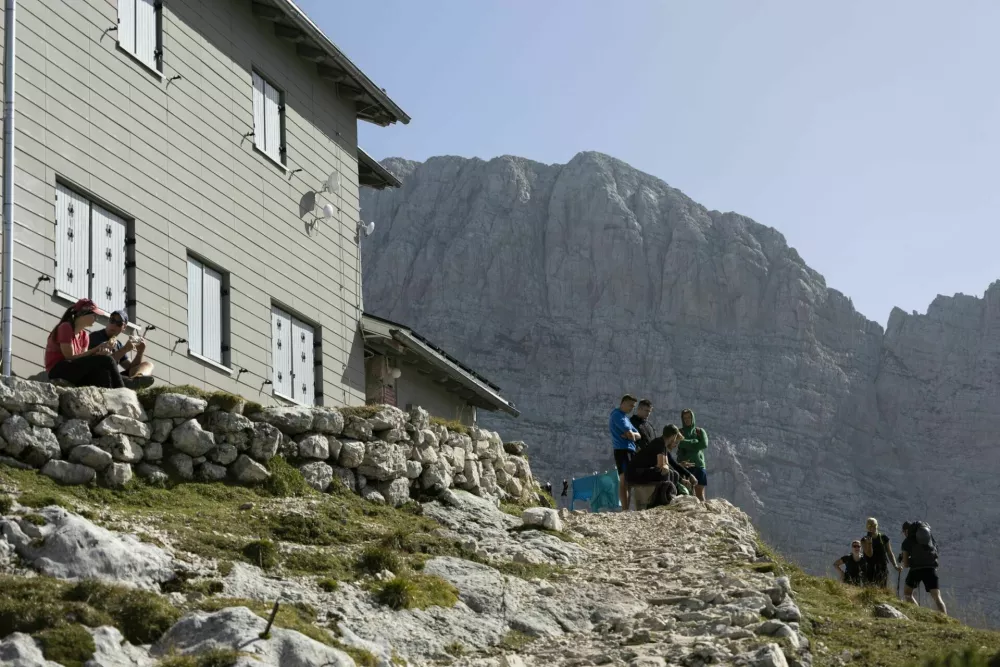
x=328, y=211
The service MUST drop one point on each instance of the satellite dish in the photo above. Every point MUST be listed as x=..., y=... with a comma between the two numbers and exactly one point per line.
x=369, y=228
x=328, y=211
x=333, y=183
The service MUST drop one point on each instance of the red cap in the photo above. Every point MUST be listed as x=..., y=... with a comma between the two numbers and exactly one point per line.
x=85, y=306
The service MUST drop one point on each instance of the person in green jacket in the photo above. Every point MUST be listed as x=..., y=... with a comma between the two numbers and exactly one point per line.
x=691, y=452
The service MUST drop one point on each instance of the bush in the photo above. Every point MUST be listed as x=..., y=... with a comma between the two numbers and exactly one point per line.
x=70, y=644
x=416, y=592
x=261, y=553
x=141, y=616
x=396, y=594
x=6, y=504
x=378, y=559
x=285, y=481
x=328, y=584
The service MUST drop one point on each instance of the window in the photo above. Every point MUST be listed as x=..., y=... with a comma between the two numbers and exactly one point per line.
x=139, y=30
x=293, y=358
x=207, y=312
x=91, y=253
x=268, y=119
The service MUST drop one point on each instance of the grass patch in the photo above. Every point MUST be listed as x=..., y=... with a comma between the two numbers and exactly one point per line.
x=416, y=591
x=6, y=504
x=529, y=570
x=451, y=424
x=35, y=519
x=361, y=657
x=261, y=553
x=216, y=657
x=225, y=568
x=147, y=397
x=286, y=481
x=226, y=402
x=840, y=617
x=362, y=411
x=315, y=561
x=292, y=616
x=515, y=641
x=68, y=644
x=328, y=584
x=456, y=649
x=375, y=559
x=41, y=499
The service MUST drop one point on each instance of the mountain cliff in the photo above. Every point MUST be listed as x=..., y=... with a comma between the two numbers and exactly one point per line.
x=569, y=285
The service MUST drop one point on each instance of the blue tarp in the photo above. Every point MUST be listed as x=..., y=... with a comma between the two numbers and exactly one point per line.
x=601, y=491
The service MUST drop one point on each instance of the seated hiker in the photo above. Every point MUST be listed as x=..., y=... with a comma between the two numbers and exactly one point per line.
x=69, y=356
x=854, y=566
x=650, y=465
x=136, y=372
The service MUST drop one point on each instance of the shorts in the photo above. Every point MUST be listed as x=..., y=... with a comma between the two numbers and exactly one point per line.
x=699, y=474
x=622, y=458
x=926, y=575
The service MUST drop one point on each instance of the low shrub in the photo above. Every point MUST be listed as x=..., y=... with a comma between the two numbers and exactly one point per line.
x=416, y=591
x=216, y=657
x=328, y=584
x=377, y=559
x=69, y=644
x=6, y=504
x=285, y=481
x=261, y=553
x=36, y=519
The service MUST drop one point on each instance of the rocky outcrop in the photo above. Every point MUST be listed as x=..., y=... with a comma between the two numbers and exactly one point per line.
x=569, y=285
x=106, y=436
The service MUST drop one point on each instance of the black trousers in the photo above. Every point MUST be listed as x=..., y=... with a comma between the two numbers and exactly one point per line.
x=92, y=371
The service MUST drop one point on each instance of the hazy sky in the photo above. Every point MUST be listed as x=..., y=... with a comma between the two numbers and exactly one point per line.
x=868, y=133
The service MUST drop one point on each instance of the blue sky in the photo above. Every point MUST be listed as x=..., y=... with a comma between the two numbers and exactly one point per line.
x=867, y=133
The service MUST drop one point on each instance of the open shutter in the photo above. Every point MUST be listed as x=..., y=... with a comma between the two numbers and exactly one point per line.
x=302, y=363
x=281, y=352
x=126, y=24
x=212, y=315
x=108, y=287
x=145, y=32
x=258, y=111
x=195, y=323
x=272, y=119
x=72, y=244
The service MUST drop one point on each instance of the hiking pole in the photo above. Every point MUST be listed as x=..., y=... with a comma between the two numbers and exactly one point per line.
x=899, y=574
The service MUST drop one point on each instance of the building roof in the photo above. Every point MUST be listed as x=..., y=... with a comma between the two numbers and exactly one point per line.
x=371, y=103
x=373, y=174
x=387, y=337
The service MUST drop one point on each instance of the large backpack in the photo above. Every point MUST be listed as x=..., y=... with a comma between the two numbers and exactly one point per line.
x=923, y=550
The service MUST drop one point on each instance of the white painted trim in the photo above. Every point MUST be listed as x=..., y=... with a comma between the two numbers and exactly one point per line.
x=152, y=70
x=270, y=159
x=214, y=364
x=290, y=400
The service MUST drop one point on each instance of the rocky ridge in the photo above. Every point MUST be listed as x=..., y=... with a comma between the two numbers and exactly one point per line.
x=569, y=285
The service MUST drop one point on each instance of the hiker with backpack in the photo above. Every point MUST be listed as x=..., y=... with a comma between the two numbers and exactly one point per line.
x=919, y=553
x=878, y=552
x=854, y=565
x=692, y=451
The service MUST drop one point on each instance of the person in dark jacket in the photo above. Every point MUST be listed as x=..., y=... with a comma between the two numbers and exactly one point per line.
x=854, y=565
x=878, y=552
x=650, y=464
x=922, y=560
x=640, y=420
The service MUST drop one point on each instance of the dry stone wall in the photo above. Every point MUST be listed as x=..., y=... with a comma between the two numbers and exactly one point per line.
x=106, y=436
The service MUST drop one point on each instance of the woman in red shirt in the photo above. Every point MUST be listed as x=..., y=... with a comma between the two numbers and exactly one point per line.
x=67, y=356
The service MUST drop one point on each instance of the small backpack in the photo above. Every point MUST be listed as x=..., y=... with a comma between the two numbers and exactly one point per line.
x=924, y=552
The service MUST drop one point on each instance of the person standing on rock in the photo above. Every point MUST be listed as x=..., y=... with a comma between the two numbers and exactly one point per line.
x=854, y=566
x=919, y=553
x=692, y=451
x=623, y=439
x=640, y=421
x=878, y=552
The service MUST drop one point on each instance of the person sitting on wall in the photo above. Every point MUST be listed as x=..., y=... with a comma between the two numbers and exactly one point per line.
x=137, y=372
x=651, y=465
x=69, y=356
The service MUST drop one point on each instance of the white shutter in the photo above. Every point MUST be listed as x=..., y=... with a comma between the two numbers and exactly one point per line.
x=72, y=243
x=272, y=119
x=145, y=32
x=212, y=318
x=195, y=324
x=108, y=287
x=258, y=111
x=281, y=352
x=126, y=24
x=302, y=363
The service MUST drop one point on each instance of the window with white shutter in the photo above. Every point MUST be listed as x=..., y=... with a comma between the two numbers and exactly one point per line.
x=139, y=31
x=91, y=252
x=268, y=119
x=206, y=326
x=293, y=344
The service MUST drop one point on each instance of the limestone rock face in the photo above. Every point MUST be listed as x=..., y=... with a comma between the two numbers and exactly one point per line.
x=551, y=279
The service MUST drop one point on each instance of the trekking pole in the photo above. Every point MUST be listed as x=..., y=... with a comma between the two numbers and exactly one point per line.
x=899, y=574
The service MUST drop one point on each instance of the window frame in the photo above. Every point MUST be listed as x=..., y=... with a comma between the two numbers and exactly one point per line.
x=317, y=357
x=225, y=363
x=157, y=68
x=129, y=257
x=281, y=161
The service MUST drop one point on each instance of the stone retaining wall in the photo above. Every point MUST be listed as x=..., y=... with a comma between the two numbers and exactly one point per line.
x=88, y=435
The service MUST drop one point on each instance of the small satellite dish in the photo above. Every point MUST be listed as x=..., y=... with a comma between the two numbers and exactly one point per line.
x=328, y=211
x=369, y=228
x=396, y=373
x=333, y=182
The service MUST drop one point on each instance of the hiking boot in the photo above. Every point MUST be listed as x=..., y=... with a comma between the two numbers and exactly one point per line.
x=139, y=382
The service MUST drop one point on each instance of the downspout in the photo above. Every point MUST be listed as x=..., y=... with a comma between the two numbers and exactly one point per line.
x=8, y=183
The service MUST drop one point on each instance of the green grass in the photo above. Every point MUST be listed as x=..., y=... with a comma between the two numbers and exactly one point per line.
x=967, y=658
x=841, y=617
x=451, y=424
x=69, y=644
x=262, y=553
x=375, y=559
x=6, y=504
x=416, y=591
x=456, y=649
x=216, y=657
x=316, y=561
x=221, y=399
x=363, y=411
x=286, y=481
x=36, y=519
x=515, y=641
x=328, y=584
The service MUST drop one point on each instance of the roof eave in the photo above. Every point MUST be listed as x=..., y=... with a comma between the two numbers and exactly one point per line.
x=382, y=176
x=390, y=111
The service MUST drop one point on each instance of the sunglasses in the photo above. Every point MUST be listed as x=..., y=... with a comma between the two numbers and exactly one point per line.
x=855, y=546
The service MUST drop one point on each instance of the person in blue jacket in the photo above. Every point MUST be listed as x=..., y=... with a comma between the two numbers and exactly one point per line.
x=623, y=438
